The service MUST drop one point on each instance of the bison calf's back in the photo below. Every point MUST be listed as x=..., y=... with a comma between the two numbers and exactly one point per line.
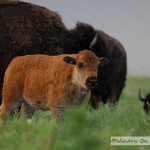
x=49, y=82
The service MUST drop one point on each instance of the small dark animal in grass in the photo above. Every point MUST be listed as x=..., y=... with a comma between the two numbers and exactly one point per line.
x=49, y=82
x=146, y=101
x=30, y=29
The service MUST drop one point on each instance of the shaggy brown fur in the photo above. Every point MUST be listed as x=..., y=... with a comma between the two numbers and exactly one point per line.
x=48, y=82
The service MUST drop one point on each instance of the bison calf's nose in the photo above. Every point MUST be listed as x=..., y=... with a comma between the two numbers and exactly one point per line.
x=91, y=82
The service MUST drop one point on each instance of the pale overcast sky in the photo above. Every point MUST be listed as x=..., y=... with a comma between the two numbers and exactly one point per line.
x=126, y=20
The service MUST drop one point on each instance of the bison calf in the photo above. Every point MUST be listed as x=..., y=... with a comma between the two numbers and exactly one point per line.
x=49, y=82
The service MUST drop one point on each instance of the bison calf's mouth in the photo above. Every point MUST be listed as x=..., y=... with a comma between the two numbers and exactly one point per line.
x=91, y=82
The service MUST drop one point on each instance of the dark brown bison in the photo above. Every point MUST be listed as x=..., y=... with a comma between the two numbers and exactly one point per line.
x=30, y=29
x=146, y=101
x=113, y=82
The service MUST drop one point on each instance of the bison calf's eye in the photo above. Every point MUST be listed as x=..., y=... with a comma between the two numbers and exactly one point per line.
x=80, y=65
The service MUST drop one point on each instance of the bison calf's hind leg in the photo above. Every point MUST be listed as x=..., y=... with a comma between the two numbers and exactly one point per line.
x=8, y=107
x=4, y=110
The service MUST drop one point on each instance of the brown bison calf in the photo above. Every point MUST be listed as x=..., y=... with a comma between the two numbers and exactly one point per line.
x=49, y=82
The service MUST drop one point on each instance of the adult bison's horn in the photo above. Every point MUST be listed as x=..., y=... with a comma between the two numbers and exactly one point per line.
x=140, y=97
x=93, y=42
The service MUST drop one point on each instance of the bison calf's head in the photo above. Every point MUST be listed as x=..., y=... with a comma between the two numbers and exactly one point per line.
x=86, y=68
x=146, y=101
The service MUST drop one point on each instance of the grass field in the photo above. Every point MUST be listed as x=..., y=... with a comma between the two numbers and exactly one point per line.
x=82, y=129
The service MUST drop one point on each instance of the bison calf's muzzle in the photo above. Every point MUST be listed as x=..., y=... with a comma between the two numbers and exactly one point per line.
x=91, y=82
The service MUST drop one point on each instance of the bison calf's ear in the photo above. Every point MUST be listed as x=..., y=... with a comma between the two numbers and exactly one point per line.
x=103, y=61
x=69, y=60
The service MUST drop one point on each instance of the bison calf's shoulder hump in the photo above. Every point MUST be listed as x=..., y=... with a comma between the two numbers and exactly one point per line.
x=48, y=82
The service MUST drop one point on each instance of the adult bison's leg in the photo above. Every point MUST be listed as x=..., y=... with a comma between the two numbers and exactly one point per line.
x=114, y=93
x=95, y=101
x=113, y=97
x=116, y=88
x=99, y=96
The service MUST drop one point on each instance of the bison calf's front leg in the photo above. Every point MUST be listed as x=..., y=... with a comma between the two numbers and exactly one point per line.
x=57, y=113
x=26, y=110
x=55, y=101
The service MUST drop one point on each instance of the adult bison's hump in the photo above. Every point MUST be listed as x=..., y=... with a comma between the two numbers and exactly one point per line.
x=24, y=26
x=28, y=10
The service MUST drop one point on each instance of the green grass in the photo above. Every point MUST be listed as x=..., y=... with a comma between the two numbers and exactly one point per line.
x=82, y=129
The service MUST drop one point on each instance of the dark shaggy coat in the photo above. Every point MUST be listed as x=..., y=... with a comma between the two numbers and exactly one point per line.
x=30, y=29
x=113, y=81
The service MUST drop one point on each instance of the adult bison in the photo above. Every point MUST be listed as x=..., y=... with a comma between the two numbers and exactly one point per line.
x=115, y=73
x=30, y=29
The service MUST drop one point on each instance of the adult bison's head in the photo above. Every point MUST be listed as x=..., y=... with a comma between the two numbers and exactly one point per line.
x=84, y=36
x=146, y=101
x=86, y=68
